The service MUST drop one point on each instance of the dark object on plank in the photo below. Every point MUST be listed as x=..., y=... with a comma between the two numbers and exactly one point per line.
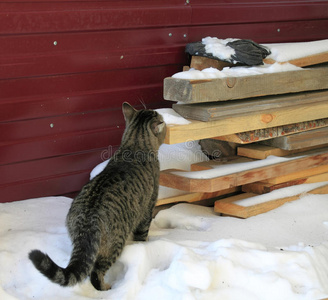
x=218, y=150
x=247, y=52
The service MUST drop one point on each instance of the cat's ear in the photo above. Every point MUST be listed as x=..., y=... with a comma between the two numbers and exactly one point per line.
x=128, y=111
x=157, y=127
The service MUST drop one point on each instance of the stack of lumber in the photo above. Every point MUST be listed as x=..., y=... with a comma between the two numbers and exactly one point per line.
x=299, y=167
x=280, y=114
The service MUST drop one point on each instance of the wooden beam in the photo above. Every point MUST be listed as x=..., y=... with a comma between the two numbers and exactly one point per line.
x=196, y=130
x=311, y=159
x=310, y=60
x=300, y=140
x=230, y=88
x=194, y=197
x=223, y=109
x=259, y=135
x=206, y=165
x=228, y=207
x=201, y=63
x=259, y=151
x=297, y=175
x=263, y=187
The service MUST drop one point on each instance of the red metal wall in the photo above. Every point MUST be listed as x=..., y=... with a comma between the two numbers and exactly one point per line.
x=67, y=66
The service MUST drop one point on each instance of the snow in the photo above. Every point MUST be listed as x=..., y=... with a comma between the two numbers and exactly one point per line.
x=279, y=52
x=281, y=193
x=98, y=169
x=222, y=170
x=172, y=117
x=217, y=47
x=212, y=73
x=289, y=51
x=178, y=156
x=192, y=253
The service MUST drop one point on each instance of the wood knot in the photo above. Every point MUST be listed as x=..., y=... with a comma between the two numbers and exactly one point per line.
x=231, y=81
x=266, y=118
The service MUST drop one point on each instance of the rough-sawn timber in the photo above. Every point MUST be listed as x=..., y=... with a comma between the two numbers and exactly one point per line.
x=311, y=159
x=230, y=88
x=279, y=116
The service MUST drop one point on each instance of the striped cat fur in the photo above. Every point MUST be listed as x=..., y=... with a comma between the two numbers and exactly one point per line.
x=116, y=203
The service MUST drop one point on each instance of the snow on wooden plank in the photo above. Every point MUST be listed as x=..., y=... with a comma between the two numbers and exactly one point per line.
x=233, y=206
x=303, y=61
x=210, y=181
x=263, y=187
x=299, y=54
x=231, y=88
x=201, y=63
x=196, y=130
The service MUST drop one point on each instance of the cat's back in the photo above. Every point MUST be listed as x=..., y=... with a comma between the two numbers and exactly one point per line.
x=120, y=181
x=138, y=177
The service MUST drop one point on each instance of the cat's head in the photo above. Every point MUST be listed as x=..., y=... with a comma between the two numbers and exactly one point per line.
x=146, y=118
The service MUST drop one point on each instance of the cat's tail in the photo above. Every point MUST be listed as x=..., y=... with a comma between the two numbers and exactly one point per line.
x=80, y=266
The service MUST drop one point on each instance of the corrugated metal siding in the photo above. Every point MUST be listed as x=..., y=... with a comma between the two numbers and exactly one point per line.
x=66, y=67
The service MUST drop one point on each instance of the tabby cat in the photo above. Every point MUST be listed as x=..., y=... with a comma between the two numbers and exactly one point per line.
x=116, y=203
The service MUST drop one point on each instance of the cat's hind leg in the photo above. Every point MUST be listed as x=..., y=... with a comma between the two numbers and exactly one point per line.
x=104, y=261
x=97, y=275
x=141, y=232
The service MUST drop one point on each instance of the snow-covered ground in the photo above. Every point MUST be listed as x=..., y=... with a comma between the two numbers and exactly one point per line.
x=192, y=253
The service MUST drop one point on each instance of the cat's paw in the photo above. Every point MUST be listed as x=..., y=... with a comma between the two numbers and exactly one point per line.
x=140, y=238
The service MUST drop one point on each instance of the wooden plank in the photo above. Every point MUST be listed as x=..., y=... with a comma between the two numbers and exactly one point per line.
x=258, y=135
x=206, y=165
x=303, y=61
x=259, y=151
x=300, y=140
x=218, y=110
x=170, y=178
x=228, y=207
x=263, y=187
x=231, y=88
x=201, y=63
x=196, y=130
x=194, y=197
x=297, y=175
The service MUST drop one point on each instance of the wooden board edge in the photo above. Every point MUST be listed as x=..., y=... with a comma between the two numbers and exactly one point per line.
x=232, y=209
x=195, y=197
x=196, y=130
x=313, y=158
